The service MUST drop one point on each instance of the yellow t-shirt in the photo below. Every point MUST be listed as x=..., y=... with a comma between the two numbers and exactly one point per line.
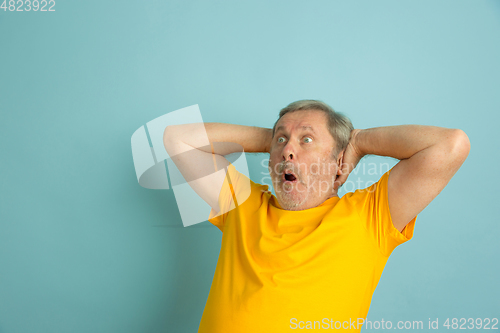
x=281, y=270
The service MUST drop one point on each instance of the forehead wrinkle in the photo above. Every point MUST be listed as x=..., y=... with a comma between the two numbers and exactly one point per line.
x=308, y=128
x=304, y=128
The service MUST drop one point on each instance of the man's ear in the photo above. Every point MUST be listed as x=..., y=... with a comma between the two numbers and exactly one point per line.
x=340, y=160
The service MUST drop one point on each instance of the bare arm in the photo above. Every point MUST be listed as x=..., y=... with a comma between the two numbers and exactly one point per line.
x=429, y=157
x=197, y=150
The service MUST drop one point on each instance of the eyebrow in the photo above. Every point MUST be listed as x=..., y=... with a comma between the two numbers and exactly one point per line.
x=279, y=128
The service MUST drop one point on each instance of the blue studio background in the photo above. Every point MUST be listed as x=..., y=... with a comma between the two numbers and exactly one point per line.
x=85, y=248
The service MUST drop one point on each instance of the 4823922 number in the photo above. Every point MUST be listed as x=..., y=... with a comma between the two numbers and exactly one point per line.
x=471, y=323
x=28, y=5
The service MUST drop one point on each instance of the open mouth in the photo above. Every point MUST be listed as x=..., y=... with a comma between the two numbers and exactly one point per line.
x=290, y=177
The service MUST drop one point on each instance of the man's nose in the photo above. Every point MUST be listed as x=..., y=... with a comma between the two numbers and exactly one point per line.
x=288, y=152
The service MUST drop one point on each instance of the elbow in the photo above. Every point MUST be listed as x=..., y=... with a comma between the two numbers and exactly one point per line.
x=169, y=132
x=168, y=135
x=459, y=145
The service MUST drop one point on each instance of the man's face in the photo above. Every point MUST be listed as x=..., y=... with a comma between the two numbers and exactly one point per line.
x=302, y=164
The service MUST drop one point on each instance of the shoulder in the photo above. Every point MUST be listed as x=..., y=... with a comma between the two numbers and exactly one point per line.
x=373, y=191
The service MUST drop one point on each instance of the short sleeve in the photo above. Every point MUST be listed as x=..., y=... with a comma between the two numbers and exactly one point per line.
x=235, y=190
x=372, y=205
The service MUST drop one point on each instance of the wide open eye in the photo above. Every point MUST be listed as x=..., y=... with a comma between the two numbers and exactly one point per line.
x=281, y=139
x=306, y=139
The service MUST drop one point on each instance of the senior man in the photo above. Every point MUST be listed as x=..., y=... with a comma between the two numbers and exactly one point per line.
x=305, y=258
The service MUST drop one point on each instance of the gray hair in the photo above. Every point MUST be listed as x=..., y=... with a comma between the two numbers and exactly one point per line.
x=339, y=125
